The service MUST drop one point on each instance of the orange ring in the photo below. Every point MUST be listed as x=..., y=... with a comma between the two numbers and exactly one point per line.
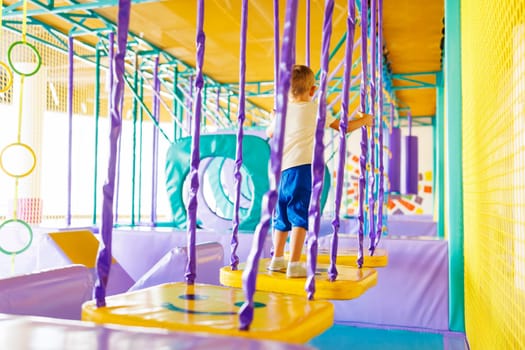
x=23, y=145
x=9, y=77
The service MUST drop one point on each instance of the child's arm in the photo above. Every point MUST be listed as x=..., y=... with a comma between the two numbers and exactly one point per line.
x=271, y=127
x=362, y=119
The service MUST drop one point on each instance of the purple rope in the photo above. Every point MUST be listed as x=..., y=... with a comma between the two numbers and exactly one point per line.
x=234, y=259
x=314, y=212
x=117, y=95
x=117, y=180
x=249, y=275
x=381, y=195
x=195, y=147
x=307, y=34
x=70, y=92
x=371, y=174
x=155, y=148
x=350, y=25
x=275, y=49
x=364, y=138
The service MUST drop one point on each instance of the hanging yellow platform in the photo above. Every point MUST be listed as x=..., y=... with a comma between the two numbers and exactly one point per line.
x=351, y=282
x=348, y=257
x=214, y=309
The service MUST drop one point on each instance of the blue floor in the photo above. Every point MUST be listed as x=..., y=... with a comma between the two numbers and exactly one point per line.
x=355, y=338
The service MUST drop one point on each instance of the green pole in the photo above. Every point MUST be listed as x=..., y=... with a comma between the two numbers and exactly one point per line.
x=229, y=105
x=175, y=102
x=134, y=112
x=453, y=114
x=439, y=156
x=141, y=120
x=205, y=100
x=97, y=117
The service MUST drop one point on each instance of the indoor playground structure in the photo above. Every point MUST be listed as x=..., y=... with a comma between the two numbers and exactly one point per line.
x=138, y=185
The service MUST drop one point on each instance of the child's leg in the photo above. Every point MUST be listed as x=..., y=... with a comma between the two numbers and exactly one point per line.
x=279, y=241
x=296, y=268
x=296, y=243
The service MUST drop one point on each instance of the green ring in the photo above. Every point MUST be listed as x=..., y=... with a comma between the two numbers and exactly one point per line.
x=9, y=77
x=7, y=252
x=32, y=47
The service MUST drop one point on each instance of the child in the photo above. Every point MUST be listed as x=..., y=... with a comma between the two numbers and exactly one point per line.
x=291, y=212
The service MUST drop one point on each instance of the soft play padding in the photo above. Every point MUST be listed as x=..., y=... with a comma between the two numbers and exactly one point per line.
x=412, y=291
x=54, y=293
x=128, y=244
x=81, y=247
x=172, y=266
x=40, y=333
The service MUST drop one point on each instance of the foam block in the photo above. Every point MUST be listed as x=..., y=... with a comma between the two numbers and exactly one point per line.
x=80, y=247
x=171, y=267
x=53, y=293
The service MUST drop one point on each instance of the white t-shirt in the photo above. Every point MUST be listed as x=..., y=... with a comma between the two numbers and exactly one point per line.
x=301, y=119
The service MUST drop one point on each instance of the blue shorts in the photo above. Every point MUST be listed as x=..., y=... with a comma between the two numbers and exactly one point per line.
x=294, y=198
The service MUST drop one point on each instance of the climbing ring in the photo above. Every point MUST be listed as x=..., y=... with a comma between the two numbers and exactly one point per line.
x=9, y=77
x=19, y=174
x=35, y=52
x=29, y=241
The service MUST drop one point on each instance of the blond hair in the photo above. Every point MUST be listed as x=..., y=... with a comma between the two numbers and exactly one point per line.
x=303, y=79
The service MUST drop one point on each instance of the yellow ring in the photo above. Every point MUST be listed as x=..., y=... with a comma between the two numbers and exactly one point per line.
x=23, y=145
x=9, y=77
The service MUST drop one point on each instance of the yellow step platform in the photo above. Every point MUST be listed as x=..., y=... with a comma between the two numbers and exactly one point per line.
x=348, y=257
x=351, y=282
x=214, y=309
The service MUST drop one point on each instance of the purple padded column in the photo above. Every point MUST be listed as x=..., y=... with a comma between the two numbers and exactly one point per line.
x=191, y=208
x=249, y=276
x=381, y=194
x=104, y=254
x=394, y=163
x=350, y=28
x=234, y=259
x=364, y=139
x=412, y=171
x=371, y=173
x=318, y=164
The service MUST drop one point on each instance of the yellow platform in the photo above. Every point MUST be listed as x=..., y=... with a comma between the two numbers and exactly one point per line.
x=348, y=257
x=351, y=282
x=214, y=309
